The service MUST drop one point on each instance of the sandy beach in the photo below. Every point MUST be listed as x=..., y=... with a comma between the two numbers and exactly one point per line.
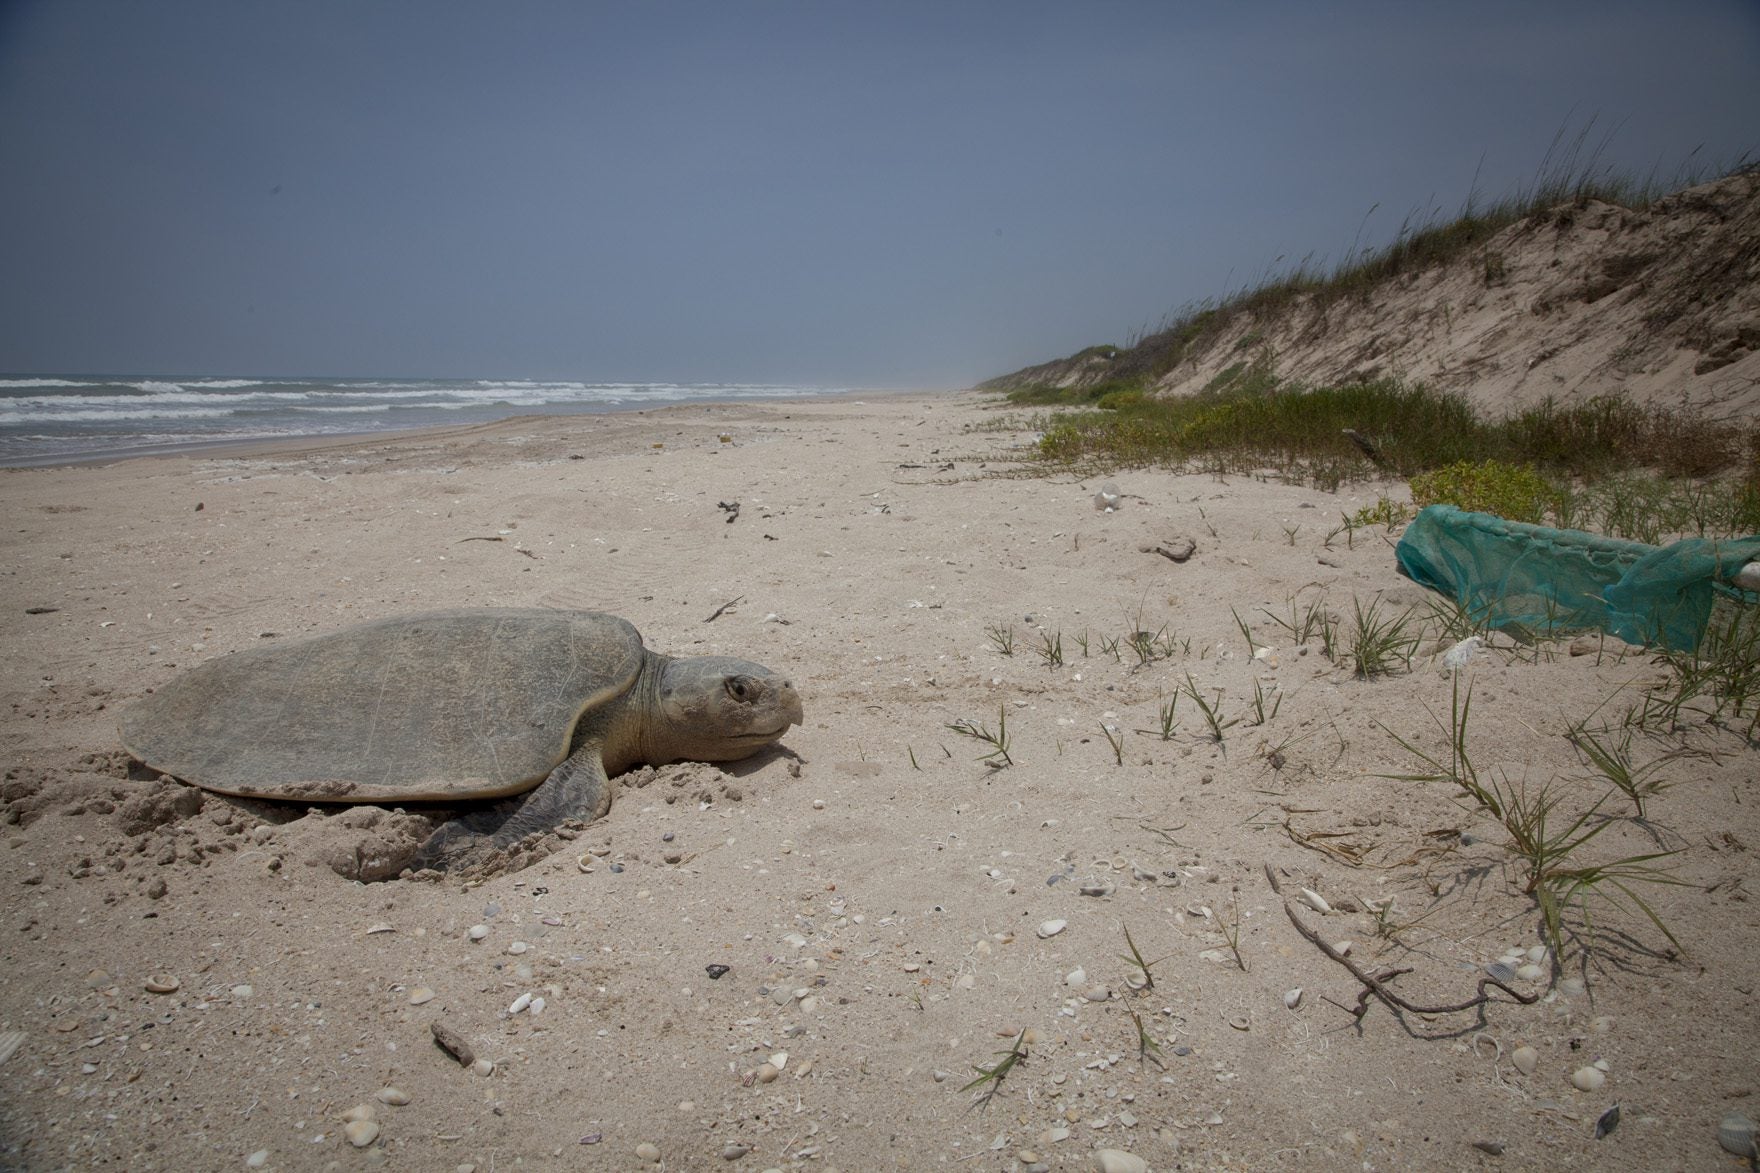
x=892, y=911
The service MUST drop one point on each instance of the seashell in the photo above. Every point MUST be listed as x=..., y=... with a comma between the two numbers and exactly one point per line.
x=1118, y=1161
x=1526, y=1059
x=1529, y=972
x=1104, y=888
x=767, y=1073
x=585, y=862
x=1608, y=1122
x=517, y=947
x=1315, y=901
x=1051, y=928
x=1588, y=1079
x=420, y=995
x=1075, y=977
x=161, y=983
x=381, y=927
x=1735, y=1132
x=537, y=1006
x=1342, y=948
x=483, y=1067
x=361, y=1133
x=396, y=1097
x=358, y=1112
x=477, y=932
x=519, y=1003
x=1240, y=1022
x=1292, y=998
x=779, y=1060
x=1501, y=971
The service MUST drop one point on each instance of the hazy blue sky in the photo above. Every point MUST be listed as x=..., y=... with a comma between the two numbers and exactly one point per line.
x=872, y=194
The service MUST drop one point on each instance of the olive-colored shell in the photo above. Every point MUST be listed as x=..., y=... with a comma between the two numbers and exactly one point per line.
x=452, y=705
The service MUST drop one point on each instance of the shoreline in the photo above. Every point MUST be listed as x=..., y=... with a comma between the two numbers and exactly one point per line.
x=299, y=442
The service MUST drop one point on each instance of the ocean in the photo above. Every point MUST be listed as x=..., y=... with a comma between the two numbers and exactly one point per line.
x=63, y=419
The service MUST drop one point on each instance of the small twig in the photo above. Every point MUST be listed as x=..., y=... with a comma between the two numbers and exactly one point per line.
x=484, y=538
x=722, y=608
x=1375, y=985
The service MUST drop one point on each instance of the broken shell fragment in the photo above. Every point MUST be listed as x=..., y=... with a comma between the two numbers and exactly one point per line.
x=161, y=983
x=1292, y=998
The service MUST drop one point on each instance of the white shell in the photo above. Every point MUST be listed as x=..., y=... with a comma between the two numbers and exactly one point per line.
x=519, y=1003
x=361, y=1133
x=1526, y=1059
x=1052, y=927
x=1588, y=1079
x=1315, y=901
x=1735, y=1132
x=1292, y=998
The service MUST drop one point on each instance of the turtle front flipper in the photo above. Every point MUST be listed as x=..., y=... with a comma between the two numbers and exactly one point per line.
x=482, y=841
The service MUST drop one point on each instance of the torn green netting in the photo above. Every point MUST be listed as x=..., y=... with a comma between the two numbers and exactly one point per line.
x=1533, y=580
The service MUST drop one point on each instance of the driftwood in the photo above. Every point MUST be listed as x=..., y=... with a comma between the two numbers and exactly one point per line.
x=1375, y=985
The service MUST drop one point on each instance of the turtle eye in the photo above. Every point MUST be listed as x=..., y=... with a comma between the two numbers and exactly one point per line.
x=737, y=688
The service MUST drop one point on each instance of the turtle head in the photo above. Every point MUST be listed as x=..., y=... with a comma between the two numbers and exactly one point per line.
x=718, y=709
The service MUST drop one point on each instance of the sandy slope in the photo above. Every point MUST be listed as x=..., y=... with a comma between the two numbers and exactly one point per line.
x=875, y=890
x=1660, y=304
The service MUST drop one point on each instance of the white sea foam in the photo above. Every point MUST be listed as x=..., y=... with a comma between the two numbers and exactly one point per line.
x=51, y=417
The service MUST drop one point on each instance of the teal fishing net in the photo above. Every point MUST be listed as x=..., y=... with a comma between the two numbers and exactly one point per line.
x=1532, y=580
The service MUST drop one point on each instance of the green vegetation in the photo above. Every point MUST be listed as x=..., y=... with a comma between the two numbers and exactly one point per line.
x=1514, y=491
x=1300, y=434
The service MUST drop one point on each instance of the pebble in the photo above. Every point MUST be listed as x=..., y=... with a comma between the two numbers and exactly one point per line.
x=1119, y=1161
x=733, y=1151
x=518, y=947
x=648, y=1152
x=420, y=996
x=396, y=1097
x=478, y=932
x=1526, y=1059
x=1051, y=928
x=257, y=1159
x=1588, y=1079
x=361, y=1133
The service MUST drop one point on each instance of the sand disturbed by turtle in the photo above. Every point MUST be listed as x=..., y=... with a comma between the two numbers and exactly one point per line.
x=456, y=706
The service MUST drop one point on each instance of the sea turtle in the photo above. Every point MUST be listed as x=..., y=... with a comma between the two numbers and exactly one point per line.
x=455, y=706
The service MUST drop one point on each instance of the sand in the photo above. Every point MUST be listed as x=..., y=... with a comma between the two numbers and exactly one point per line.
x=876, y=892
